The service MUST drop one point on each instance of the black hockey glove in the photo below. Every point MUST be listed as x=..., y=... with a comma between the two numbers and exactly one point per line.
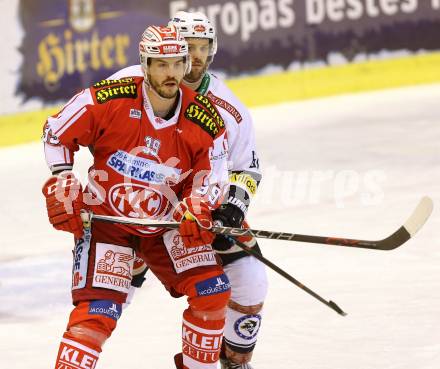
x=227, y=215
x=139, y=271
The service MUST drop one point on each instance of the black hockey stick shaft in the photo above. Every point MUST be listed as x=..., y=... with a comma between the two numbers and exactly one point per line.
x=286, y=275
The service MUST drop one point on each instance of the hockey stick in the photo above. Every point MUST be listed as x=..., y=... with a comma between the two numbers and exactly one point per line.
x=250, y=251
x=277, y=269
x=417, y=219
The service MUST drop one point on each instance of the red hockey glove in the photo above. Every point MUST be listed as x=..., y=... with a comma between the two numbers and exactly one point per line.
x=195, y=217
x=64, y=202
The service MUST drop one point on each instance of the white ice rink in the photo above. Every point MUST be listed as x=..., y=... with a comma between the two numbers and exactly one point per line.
x=351, y=166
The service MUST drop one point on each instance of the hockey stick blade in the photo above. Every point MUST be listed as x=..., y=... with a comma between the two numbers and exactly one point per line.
x=413, y=224
x=417, y=219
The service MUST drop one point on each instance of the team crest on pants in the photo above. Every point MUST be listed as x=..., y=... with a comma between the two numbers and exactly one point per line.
x=184, y=258
x=247, y=326
x=113, y=267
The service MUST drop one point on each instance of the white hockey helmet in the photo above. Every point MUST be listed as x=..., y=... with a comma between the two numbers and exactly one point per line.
x=163, y=42
x=196, y=25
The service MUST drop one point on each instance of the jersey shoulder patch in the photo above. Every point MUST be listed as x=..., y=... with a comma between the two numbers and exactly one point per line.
x=231, y=109
x=109, y=89
x=200, y=116
x=209, y=105
x=202, y=112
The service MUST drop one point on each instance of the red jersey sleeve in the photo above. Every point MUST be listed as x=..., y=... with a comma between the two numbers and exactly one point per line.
x=75, y=125
x=209, y=178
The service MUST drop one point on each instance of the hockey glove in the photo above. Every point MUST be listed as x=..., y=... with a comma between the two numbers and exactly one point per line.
x=195, y=220
x=139, y=271
x=64, y=202
x=227, y=215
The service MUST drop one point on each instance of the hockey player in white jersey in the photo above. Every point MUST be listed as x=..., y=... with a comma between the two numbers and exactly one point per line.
x=246, y=274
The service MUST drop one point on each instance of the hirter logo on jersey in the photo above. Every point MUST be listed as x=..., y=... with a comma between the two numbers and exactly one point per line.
x=113, y=267
x=212, y=109
x=116, y=92
x=201, y=117
x=111, y=82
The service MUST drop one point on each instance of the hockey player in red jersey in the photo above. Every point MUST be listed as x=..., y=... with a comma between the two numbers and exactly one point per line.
x=159, y=152
x=246, y=274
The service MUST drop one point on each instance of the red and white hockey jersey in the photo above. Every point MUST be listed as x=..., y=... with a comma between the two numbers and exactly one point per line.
x=143, y=164
x=243, y=160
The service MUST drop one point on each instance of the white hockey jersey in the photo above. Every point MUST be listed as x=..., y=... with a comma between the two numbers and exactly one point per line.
x=243, y=162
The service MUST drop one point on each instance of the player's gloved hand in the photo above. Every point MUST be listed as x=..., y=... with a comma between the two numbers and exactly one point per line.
x=249, y=241
x=139, y=271
x=227, y=215
x=64, y=202
x=195, y=220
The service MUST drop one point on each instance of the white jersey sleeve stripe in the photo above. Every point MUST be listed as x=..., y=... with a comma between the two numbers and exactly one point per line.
x=67, y=155
x=71, y=101
x=58, y=157
x=80, y=101
x=67, y=124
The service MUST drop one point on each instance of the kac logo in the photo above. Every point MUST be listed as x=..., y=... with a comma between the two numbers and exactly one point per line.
x=136, y=201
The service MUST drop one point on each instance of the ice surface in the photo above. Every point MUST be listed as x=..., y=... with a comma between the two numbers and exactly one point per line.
x=351, y=166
